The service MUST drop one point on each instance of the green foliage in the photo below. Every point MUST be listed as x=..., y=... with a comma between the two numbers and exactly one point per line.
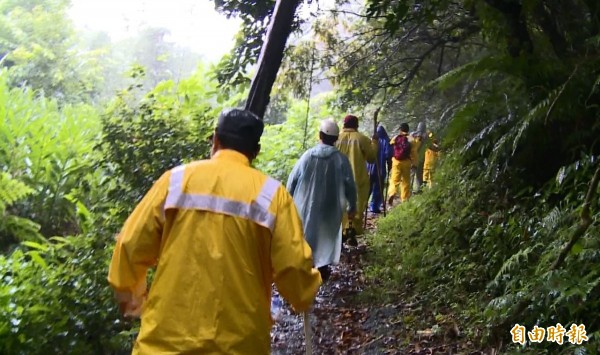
x=37, y=44
x=255, y=17
x=54, y=295
x=49, y=149
x=283, y=144
x=474, y=240
x=522, y=135
x=14, y=228
x=54, y=298
x=11, y=190
x=141, y=139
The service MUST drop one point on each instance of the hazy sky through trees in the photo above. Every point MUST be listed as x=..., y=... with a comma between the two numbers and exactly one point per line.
x=192, y=23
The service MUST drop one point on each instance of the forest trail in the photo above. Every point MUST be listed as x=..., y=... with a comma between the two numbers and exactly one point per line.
x=343, y=322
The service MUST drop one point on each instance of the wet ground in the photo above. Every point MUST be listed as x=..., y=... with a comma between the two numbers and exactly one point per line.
x=342, y=323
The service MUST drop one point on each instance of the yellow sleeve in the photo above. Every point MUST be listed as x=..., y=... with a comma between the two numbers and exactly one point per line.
x=296, y=279
x=414, y=150
x=138, y=243
x=370, y=149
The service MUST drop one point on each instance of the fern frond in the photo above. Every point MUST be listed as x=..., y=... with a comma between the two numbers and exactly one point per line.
x=11, y=190
x=483, y=134
x=540, y=112
x=594, y=87
x=552, y=219
x=514, y=262
x=20, y=229
x=478, y=68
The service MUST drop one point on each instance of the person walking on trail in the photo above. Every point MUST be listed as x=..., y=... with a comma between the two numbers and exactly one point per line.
x=359, y=149
x=377, y=176
x=322, y=185
x=401, y=165
x=417, y=155
x=431, y=156
x=219, y=233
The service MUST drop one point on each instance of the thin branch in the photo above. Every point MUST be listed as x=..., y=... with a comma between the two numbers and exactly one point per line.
x=346, y=12
x=440, y=65
x=362, y=58
x=370, y=30
x=413, y=71
x=310, y=85
x=562, y=89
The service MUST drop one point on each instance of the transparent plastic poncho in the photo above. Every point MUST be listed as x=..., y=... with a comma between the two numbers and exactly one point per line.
x=323, y=188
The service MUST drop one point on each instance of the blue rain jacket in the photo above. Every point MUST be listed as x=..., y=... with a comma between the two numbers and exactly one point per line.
x=323, y=188
x=384, y=153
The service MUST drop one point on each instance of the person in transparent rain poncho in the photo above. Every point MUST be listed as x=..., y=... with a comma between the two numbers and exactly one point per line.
x=323, y=189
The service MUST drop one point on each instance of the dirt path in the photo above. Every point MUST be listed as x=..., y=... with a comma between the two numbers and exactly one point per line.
x=343, y=323
x=340, y=323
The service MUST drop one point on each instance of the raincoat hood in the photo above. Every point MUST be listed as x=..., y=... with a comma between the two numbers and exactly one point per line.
x=323, y=151
x=382, y=133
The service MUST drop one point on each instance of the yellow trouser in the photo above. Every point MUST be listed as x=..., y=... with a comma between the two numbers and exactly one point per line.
x=400, y=174
x=361, y=205
x=428, y=177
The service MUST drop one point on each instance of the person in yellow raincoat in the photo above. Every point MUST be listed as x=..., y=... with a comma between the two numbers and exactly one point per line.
x=401, y=164
x=359, y=149
x=431, y=155
x=219, y=233
x=417, y=156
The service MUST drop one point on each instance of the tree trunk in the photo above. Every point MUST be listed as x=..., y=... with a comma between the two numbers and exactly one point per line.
x=271, y=56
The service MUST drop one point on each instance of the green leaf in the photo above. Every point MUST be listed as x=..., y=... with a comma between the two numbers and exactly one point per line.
x=577, y=248
x=35, y=256
x=34, y=245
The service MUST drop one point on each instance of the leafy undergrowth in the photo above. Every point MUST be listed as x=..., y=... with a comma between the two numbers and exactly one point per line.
x=475, y=259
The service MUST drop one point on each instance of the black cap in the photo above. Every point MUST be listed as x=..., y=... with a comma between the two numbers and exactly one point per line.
x=240, y=124
x=404, y=127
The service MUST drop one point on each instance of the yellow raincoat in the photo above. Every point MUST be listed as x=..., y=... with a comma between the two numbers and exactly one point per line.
x=431, y=157
x=415, y=145
x=359, y=149
x=400, y=173
x=219, y=233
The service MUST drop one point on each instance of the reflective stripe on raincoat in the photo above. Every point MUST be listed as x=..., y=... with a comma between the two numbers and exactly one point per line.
x=219, y=233
x=322, y=185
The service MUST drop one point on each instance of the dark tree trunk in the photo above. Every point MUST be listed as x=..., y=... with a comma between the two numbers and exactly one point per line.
x=518, y=37
x=271, y=56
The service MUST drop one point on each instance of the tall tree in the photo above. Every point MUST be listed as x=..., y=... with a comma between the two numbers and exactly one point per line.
x=38, y=45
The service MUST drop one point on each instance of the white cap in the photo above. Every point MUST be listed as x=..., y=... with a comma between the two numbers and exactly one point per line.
x=329, y=127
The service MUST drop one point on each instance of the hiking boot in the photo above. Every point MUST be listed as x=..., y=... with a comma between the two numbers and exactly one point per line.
x=352, y=241
x=390, y=200
x=325, y=272
x=349, y=236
